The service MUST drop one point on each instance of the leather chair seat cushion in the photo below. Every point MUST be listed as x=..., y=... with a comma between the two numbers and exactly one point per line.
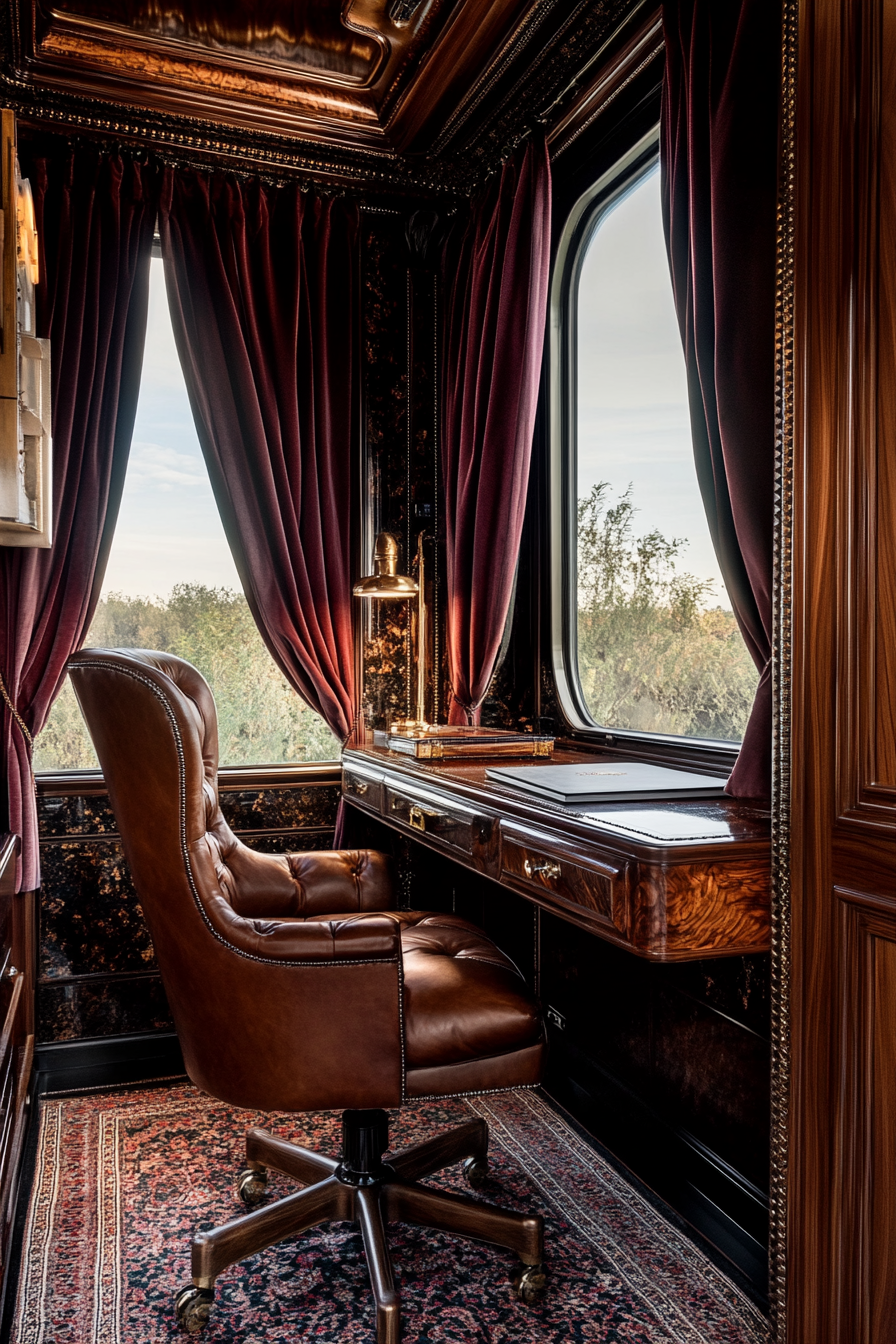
x=463, y=999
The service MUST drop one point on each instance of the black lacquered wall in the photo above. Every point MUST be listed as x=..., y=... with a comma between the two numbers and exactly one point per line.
x=96, y=974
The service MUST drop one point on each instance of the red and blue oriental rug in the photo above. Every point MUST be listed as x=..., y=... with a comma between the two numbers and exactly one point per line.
x=123, y=1180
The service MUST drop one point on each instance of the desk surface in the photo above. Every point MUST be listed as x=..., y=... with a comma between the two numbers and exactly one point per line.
x=670, y=880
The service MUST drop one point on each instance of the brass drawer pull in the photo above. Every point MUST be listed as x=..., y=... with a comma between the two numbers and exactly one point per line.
x=546, y=868
x=360, y=787
x=418, y=817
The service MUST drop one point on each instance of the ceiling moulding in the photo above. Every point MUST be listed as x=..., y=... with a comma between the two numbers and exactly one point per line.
x=416, y=96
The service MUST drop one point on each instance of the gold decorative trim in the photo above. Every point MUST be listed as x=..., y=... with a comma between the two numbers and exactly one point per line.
x=178, y=71
x=207, y=145
x=500, y=64
x=553, y=74
x=540, y=93
x=781, y=674
x=600, y=108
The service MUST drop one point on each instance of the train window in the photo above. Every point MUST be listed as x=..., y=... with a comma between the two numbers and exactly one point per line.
x=651, y=643
x=171, y=584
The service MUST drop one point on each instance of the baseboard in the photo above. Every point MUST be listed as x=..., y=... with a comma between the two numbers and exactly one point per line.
x=723, y=1207
x=111, y=1061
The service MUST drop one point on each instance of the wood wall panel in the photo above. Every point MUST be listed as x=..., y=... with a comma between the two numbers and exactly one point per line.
x=879, y=1287
x=842, y=1173
x=868, y=1122
x=882, y=772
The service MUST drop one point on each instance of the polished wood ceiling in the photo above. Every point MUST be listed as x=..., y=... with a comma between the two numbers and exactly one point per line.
x=394, y=83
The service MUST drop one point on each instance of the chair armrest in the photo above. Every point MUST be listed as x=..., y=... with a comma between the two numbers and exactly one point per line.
x=350, y=938
x=332, y=882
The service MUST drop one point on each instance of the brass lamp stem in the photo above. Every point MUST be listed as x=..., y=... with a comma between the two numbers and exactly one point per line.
x=421, y=634
x=410, y=727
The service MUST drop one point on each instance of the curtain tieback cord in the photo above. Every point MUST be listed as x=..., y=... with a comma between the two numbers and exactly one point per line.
x=16, y=715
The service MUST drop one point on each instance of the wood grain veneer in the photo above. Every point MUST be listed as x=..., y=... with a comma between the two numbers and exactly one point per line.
x=842, y=1177
x=703, y=907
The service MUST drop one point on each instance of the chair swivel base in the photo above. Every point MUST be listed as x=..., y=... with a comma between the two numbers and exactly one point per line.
x=362, y=1188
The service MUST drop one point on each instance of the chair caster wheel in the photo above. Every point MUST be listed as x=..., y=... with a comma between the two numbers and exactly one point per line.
x=476, y=1172
x=528, y=1283
x=250, y=1186
x=192, y=1307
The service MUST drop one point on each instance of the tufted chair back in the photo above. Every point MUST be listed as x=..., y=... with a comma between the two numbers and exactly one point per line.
x=282, y=974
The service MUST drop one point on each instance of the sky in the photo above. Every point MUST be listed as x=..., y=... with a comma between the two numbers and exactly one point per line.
x=168, y=529
x=633, y=419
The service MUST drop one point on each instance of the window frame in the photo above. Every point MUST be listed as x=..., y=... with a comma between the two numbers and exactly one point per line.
x=582, y=223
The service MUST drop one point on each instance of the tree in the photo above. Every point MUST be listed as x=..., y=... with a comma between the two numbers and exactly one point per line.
x=653, y=655
x=261, y=719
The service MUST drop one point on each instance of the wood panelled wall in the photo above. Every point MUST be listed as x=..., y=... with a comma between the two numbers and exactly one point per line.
x=842, y=1187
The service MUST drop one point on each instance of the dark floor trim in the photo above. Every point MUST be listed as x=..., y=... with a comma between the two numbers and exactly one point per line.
x=711, y=1251
x=114, y=1061
x=722, y=1207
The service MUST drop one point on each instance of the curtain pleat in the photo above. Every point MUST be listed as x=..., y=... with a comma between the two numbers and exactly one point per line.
x=719, y=158
x=263, y=295
x=95, y=219
x=495, y=277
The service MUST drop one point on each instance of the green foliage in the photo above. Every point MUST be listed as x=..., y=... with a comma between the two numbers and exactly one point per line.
x=261, y=720
x=653, y=655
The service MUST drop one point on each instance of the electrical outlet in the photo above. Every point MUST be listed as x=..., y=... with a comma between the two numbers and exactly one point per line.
x=556, y=1018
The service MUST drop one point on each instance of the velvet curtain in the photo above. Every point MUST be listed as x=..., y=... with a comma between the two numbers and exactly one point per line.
x=496, y=285
x=262, y=289
x=719, y=156
x=95, y=219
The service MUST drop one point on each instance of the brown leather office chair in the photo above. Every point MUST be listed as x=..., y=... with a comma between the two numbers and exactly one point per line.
x=295, y=985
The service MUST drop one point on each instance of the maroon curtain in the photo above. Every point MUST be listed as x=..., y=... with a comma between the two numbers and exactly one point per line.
x=95, y=219
x=719, y=156
x=496, y=285
x=262, y=289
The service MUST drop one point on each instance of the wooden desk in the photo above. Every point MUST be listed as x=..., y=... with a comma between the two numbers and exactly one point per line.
x=672, y=881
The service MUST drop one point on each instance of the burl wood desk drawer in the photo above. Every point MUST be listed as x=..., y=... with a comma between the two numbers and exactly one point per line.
x=443, y=821
x=363, y=787
x=562, y=878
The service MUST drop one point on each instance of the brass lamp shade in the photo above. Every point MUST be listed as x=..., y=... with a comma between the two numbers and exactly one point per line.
x=384, y=582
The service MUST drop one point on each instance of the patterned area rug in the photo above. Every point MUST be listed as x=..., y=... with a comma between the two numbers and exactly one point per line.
x=123, y=1180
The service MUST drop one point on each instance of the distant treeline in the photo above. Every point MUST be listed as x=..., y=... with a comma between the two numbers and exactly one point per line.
x=654, y=655
x=261, y=720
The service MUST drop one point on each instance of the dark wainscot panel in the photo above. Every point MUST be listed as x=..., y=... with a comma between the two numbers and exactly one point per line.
x=97, y=975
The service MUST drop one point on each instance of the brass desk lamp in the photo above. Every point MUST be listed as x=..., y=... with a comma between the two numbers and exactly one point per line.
x=385, y=582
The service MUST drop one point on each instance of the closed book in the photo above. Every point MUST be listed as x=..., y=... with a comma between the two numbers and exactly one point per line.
x=603, y=781
x=437, y=742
